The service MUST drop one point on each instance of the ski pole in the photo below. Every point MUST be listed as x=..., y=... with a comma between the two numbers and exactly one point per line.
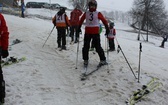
x=68, y=35
x=107, y=41
x=140, y=50
x=77, y=52
x=120, y=49
x=48, y=36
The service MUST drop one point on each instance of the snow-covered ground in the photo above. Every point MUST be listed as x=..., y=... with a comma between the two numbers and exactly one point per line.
x=48, y=76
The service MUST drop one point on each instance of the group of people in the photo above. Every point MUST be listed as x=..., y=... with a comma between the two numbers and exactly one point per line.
x=62, y=22
x=92, y=30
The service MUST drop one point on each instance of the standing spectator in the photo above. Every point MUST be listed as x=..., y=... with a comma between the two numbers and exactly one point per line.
x=22, y=8
x=165, y=37
x=3, y=53
x=111, y=37
x=92, y=32
x=74, y=20
x=61, y=21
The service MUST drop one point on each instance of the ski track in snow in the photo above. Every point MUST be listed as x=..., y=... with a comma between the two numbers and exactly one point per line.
x=48, y=76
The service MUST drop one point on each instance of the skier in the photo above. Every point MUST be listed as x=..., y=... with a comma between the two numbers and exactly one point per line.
x=74, y=20
x=3, y=53
x=111, y=37
x=92, y=32
x=92, y=43
x=61, y=21
x=165, y=37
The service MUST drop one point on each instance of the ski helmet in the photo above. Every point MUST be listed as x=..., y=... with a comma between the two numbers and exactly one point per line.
x=111, y=24
x=92, y=5
x=62, y=9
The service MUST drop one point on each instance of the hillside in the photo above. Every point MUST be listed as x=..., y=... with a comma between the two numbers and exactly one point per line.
x=48, y=76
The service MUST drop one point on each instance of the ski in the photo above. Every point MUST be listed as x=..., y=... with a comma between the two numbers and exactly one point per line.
x=85, y=75
x=142, y=93
x=12, y=60
x=139, y=91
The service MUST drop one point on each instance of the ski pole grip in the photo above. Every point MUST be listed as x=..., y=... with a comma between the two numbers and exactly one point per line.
x=140, y=47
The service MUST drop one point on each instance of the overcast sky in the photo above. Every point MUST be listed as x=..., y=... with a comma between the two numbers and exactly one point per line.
x=123, y=5
x=108, y=5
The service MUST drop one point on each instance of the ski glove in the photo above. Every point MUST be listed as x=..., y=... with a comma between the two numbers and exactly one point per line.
x=5, y=53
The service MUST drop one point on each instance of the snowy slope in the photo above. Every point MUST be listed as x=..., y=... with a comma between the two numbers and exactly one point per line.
x=49, y=77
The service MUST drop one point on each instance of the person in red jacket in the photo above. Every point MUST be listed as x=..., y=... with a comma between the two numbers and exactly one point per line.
x=111, y=37
x=74, y=20
x=4, y=37
x=92, y=32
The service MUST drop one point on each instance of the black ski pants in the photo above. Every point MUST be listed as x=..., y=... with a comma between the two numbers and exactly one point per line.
x=74, y=29
x=111, y=44
x=96, y=40
x=61, y=37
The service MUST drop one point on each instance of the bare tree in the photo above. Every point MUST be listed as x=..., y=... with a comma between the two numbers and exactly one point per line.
x=151, y=14
x=80, y=3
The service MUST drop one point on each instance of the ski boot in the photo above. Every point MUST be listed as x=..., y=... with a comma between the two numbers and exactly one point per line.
x=12, y=59
x=85, y=63
x=102, y=63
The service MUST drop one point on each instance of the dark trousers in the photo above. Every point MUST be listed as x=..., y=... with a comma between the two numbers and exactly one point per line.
x=22, y=14
x=61, y=37
x=96, y=41
x=74, y=29
x=2, y=83
x=163, y=42
x=111, y=44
